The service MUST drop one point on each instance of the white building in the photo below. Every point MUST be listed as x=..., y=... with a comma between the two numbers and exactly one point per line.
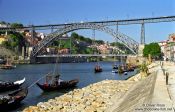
x=3, y=25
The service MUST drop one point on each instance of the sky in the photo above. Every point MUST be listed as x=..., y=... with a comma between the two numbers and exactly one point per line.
x=41, y=12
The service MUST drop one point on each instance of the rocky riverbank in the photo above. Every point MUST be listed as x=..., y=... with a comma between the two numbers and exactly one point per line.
x=95, y=97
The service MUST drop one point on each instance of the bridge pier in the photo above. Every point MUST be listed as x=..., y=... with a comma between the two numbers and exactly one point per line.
x=142, y=34
x=142, y=40
x=32, y=35
x=140, y=50
x=32, y=60
x=51, y=29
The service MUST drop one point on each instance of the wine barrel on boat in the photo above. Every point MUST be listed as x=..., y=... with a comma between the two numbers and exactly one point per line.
x=13, y=99
x=7, y=86
x=58, y=86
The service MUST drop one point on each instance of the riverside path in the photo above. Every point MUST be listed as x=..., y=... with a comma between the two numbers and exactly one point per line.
x=150, y=94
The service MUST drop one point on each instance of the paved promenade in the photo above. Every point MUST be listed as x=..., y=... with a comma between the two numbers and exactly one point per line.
x=150, y=94
x=170, y=68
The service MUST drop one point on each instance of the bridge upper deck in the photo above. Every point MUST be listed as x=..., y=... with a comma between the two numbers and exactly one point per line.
x=105, y=23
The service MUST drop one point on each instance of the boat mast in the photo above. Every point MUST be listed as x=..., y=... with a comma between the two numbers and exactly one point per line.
x=94, y=43
x=57, y=59
x=116, y=40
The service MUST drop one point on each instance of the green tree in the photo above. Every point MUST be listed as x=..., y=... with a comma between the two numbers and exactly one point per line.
x=88, y=40
x=89, y=50
x=121, y=46
x=15, y=42
x=143, y=70
x=99, y=42
x=55, y=43
x=74, y=35
x=6, y=44
x=153, y=49
x=2, y=22
x=16, y=25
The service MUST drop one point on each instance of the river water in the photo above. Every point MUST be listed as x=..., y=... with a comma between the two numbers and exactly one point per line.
x=83, y=71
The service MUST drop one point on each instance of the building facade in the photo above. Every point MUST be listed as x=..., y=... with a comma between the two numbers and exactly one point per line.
x=168, y=48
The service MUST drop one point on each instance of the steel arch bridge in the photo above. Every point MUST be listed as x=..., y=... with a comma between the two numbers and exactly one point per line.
x=126, y=40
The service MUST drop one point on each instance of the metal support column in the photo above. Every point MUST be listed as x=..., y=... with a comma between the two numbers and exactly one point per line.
x=93, y=38
x=117, y=34
x=51, y=29
x=143, y=34
x=93, y=35
x=32, y=58
x=117, y=31
x=32, y=35
x=70, y=45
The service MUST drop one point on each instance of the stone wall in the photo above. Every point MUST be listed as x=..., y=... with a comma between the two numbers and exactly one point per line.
x=60, y=59
x=136, y=59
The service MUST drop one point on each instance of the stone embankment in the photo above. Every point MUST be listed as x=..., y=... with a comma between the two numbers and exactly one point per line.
x=95, y=97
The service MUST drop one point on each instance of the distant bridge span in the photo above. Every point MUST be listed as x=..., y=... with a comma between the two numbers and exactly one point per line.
x=127, y=41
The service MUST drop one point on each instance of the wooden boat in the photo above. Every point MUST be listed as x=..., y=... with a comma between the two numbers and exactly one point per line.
x=56, y=86
x=97, y=69
x=13, y=99
x=130, y=69
x=7, y=65
x=6, y=86
x=125, y=73
x=115, y=67
x=2, y=61
x=114, y=71
x=56, y=82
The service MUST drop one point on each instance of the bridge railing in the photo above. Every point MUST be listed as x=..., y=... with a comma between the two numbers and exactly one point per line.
x=84, y=55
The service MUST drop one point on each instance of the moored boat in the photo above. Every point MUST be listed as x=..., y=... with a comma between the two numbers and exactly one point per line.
x=114, y=71
x=97, y=69
x=125, y=73
x=115, y=66
x=59, y=84
x=13, y=99
x=8, y=65
x=7, y=86
x=53, y=81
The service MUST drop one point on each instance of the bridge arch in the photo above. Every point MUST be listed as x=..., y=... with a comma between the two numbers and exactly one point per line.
x=127, y=41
